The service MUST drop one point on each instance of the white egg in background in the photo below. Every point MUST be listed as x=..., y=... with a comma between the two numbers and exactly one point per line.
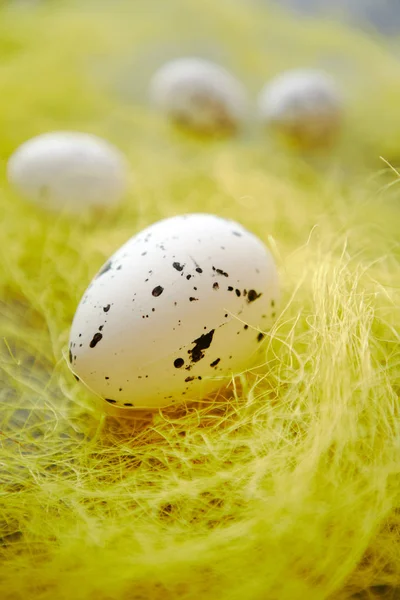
x=199, y=94
x=174, y=312
x=304, y=104
x=69, y=170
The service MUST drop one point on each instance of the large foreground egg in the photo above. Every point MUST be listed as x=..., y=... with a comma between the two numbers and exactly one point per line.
x=199, y=95
x=69, y=170
x=304, y=105
x=174, y=312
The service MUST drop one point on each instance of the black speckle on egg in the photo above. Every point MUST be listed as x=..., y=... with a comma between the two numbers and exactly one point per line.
x=216, y=285
x=128, y=404
x=107, y=308
x=237, y=292
x=111, y=401
x=157, y=291
x=201, y=344
x=70, y=355
x=189, y=379
x=76, y=377
x=237, y=233
x=188, y=277
x=230, y=288
x=199, y=270
x=178, y=363
x=260, y=337
x=215, y=362
x=252, y=295
x=177, y=266
x=143, y=253
x=246, y=327
x=101, y=327
x=96, y=339
x=192, y=299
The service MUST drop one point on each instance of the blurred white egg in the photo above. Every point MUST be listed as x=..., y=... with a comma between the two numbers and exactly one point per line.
x=174, y=313
x=199, y=94
x=305, y=105
x=69, y=170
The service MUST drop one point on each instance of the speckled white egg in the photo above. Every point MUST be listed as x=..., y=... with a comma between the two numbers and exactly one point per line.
x=69, y=170
x=305, y=105
x=199, y=94
x=174, y=312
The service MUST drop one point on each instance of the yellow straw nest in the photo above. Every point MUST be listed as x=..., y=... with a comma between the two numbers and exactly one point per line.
x=285, y=486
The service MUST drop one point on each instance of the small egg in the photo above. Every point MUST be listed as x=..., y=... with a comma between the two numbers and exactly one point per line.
x=303, y=105
x=174, y=312
x=69, y=170
x=199, y=94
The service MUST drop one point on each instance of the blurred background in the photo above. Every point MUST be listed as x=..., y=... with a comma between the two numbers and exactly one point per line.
x=384, y=15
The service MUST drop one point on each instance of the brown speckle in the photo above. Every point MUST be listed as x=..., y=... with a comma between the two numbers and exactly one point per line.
x=216, y=285
x=157, y=291
x=96, y=339
x=177, y=266
x=215, y=362
x=220, y=272
x=252, y=295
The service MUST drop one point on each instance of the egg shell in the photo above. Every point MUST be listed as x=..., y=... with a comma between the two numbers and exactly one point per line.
x=199, y=94
x=174, y=312
x=69, y=170
x=304, y=104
